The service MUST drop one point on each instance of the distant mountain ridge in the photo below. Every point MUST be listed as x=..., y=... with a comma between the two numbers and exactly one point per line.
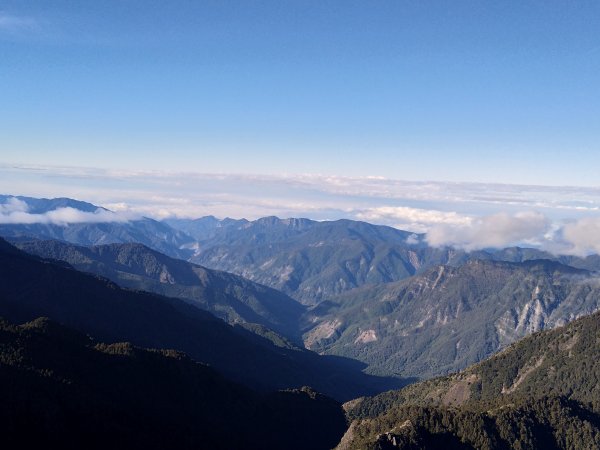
x=149, y=232
x=44, y=205
x=314, y=261
x=310, y=261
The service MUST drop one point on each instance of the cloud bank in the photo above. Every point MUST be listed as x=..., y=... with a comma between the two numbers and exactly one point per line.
x=493, y=231
x=15, y=211
x=581, y=237
x=414, y=219
x=470, y=216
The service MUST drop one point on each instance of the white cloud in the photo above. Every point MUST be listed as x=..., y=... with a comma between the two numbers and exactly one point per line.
x=493, y=231
x=582, y=237
x=412, y=239
x=12, y=205
x=412, y=219
x=15, y=211
x=253, y=191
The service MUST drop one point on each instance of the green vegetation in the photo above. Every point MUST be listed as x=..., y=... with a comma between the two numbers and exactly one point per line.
x=542, y=392
x=521, y=423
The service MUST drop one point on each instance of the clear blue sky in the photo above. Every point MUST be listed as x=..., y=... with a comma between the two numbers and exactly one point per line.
x=505, y=91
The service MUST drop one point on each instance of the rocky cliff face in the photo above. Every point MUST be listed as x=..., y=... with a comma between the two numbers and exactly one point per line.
x=450, y=317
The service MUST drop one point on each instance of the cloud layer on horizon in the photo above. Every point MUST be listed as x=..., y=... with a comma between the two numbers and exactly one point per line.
x=493, y=231
x=469, y=216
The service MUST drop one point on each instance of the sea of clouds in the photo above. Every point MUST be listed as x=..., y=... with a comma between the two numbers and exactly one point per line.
x=470, y=216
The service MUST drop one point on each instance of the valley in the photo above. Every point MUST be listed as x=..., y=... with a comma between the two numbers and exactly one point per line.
x=353, y=310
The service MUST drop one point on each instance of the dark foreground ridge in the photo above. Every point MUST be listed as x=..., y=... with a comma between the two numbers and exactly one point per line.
x=62, y=389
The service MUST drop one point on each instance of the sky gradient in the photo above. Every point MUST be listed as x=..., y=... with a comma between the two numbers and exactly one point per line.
x=471, y=91
x=475, y=122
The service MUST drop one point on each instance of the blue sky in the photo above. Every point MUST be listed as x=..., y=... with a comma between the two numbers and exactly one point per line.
x=481, y=91
x=475, y=122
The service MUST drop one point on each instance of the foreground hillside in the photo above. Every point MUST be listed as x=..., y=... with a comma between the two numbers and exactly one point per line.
x=542, y=392
x=61, y=389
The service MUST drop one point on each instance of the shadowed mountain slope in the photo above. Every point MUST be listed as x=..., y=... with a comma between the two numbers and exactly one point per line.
x=30, y=287
x=230, y=297
x=62, y=389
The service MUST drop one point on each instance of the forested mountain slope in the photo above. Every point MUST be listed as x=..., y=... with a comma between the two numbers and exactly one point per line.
x=541, y=392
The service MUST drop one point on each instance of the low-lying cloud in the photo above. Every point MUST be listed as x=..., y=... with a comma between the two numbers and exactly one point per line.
x=493, y=231
x=16, y=212
x=413, y=219
x=581, y=237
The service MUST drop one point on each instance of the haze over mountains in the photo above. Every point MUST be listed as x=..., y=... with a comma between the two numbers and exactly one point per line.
x=375, y=307
x=87, y=225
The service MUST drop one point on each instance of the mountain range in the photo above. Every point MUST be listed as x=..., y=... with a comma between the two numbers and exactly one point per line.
x=379, y=295
x=450, y=317
x=149, y=232
x=541, y=392
x=31, y=287
x=314, y=261
x=306, y=259
x=430, y=324
x=193, y=331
